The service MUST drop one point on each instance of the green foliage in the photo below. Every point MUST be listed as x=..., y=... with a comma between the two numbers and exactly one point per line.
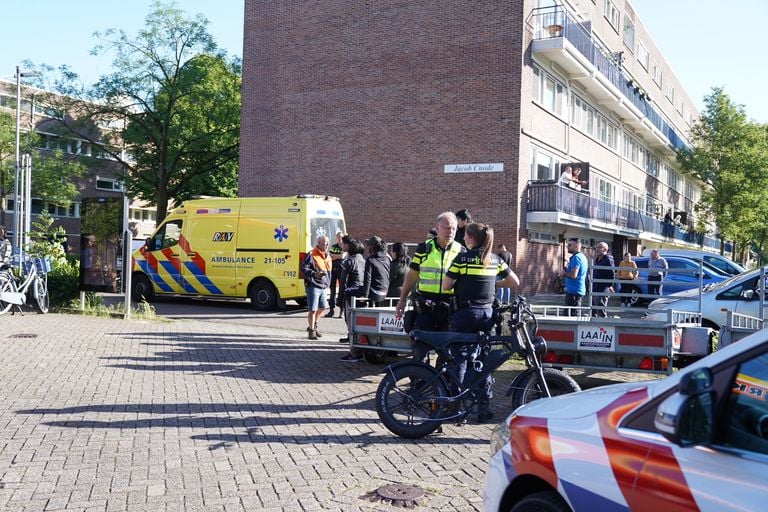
x=730, y=156
x=47, y=240
x=64, y=282
x=178, y=98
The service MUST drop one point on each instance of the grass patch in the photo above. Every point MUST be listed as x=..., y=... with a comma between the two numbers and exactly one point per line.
x=94, y=306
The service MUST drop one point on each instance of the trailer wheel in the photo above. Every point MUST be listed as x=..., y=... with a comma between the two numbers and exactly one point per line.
x=263, y=295
x=142, y=288
x=375, y=356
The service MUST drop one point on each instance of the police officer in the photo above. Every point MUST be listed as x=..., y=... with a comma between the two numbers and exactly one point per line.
x=427, y=272
x=474, y=276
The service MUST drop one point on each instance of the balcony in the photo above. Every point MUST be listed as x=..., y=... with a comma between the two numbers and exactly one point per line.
x=550, y=203
x=561, y=38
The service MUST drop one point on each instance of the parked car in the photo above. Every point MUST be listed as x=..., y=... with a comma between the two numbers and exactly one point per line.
x=684, y=275
x=697, y=440
x=740, y=294
x=722, y=263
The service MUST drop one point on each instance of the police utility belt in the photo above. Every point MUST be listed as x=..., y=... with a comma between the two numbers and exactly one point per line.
x=431, y=305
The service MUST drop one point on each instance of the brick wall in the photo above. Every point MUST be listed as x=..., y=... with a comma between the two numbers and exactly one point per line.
x=368, y=101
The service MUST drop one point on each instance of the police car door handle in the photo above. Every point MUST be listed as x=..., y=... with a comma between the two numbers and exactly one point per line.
x=192, y=254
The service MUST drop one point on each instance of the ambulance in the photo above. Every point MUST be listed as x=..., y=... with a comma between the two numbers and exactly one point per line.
x=248, y=247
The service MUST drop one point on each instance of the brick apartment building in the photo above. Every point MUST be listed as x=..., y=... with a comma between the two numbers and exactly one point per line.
x=407, y=109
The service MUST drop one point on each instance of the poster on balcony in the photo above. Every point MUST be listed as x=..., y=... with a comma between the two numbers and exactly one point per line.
x=580, y=175
x=101, y=246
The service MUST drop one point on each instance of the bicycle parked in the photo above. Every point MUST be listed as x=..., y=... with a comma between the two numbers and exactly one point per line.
x=14, y=291
x=414, y=399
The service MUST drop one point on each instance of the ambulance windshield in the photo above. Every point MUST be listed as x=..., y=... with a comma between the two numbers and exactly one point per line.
x=327, y=226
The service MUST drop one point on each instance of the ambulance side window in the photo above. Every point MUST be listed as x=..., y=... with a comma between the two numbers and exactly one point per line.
x=167, y=236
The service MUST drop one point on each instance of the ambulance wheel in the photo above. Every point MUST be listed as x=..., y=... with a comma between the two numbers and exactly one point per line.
x=263, y=295
x=375, y=356
x=545, y=501
x=142, y=289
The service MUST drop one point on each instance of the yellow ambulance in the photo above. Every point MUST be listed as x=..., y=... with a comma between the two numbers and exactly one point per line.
x=235, y=247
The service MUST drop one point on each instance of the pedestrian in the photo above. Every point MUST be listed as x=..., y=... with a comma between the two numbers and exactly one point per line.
x=577, y=183
x=354, y=274
x=376, y=281
x=566, y=176
x=398, y=268
x=316, y=268
x=603, y=276
x=657, y=267
x=627, y=273
x=575, y=277
x=504, y=293
x=474, y=276
x=337, y=256
x=426, y=274
x=463, y=218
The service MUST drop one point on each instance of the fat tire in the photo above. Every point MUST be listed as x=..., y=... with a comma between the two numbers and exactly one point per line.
x=375, y=356
x=43, y=299
x=263, y=295
x=529, y=389
x=388, y=395
x=544, y=501
x=141, y=288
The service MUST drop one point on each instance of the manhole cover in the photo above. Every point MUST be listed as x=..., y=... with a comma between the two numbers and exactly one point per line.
x=398, y=495
x=23, y=336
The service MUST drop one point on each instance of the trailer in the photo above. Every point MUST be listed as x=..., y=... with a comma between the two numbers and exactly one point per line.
x=377, y=331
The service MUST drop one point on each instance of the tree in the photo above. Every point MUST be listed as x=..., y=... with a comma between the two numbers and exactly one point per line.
x=173, y=105
x=729, y=155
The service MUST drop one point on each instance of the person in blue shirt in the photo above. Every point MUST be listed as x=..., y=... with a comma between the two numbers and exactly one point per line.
x=575, y=276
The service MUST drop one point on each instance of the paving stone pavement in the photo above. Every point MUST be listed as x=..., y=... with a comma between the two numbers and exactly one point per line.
x=111, y=415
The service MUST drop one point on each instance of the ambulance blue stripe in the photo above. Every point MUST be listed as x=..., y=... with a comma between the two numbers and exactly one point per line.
x=176, y=276
x=154, y=276
x=198, y=273
x=584, y=499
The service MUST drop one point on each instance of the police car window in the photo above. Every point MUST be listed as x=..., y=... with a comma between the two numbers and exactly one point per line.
x=747, y=415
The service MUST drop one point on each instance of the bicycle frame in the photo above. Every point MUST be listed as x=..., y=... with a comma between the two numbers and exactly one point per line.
x=18, y=294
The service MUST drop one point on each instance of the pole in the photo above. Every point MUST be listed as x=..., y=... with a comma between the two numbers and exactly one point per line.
x=16, y=223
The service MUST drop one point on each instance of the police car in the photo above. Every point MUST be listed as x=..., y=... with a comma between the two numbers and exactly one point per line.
x=697, y=440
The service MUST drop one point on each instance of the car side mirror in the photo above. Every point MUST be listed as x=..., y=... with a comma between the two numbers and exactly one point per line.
x=747, y=294
x=686, y=417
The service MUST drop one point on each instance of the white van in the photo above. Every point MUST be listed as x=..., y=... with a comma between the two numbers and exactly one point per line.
x=720, y=262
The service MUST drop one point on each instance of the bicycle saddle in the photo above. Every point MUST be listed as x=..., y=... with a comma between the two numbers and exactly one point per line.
x=443, y=339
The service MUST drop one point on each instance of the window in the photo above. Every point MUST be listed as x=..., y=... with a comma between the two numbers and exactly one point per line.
x=747, y=411
x=679, y=105
x=108, y=184
x=545, y=238
x=642, y=55
x=612, y=14
x=548, y=91
x=657, y=74
x=673, y=179
x=605, y=190
x=167, y=236
x=629, y=33
x=544, y=167
x=670, y=92
x=653, y=165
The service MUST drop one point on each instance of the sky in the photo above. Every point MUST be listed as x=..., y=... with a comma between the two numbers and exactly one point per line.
x=713, y=43
x=709, y=43
x=55, y=32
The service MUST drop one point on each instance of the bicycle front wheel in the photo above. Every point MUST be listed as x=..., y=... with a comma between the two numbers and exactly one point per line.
x=42, y=299
x=6, y=285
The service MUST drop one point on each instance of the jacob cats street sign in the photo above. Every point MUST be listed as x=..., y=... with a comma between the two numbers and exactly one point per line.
x=465, y=168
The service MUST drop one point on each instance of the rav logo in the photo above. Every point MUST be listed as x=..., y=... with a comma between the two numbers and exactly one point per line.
x=223, y=236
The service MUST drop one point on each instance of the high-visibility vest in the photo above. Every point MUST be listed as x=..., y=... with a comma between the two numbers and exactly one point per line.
x=433, y=266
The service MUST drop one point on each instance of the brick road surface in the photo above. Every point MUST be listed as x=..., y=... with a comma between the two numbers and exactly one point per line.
x=110, y=415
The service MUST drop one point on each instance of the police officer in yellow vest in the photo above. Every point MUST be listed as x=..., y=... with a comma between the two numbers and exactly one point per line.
x=427, y=272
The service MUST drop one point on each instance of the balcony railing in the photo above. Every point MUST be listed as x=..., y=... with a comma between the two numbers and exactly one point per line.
x=551, y=197
x=555, y=22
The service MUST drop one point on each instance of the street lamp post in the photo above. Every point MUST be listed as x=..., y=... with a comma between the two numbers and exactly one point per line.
x=17, y=221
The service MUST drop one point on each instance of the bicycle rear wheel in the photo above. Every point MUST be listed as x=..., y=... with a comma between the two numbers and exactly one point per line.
x=6, y=285
x=407, y=400
x=43, y=300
